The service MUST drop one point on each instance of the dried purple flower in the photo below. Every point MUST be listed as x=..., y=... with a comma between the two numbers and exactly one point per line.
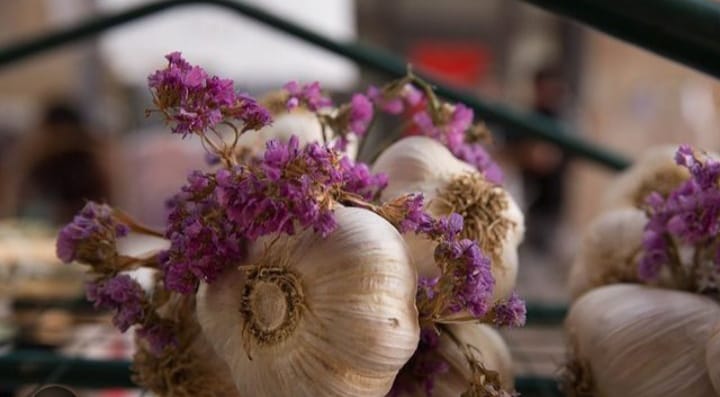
x=361, y=113
x=511, y=312
x=203, y=242
x=194, y=102
x=397, y=101
x=158, y=336
x=122, y=294
x=90, y=237
x=309, y=95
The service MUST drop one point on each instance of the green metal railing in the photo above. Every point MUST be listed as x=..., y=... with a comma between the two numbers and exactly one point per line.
x=373, y=58
x=17, y=369
x=686, y=31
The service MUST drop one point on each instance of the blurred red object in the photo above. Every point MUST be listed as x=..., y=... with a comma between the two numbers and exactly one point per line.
x=459, y=63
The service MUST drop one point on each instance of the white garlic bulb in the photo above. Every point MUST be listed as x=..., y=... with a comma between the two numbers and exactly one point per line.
x=488, y=347
x=712, y=360
x=640, y=341
x=492, y=218
x=317, y=317
x=654, y=171
x=299, y=122
x=609, y=251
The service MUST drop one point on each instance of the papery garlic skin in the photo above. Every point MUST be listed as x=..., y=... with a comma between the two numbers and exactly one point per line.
x=421, y=164
x=609, y=251
x=492, y=352
x=654, y=171
x=712, y=359
x=299, y=122
x=642, y=341
x=343, y=324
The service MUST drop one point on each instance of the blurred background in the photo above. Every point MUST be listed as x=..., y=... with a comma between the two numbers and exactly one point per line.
x=73, y=127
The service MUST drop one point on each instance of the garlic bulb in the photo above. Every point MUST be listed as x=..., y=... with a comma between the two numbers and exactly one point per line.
x=488, y=347
x=640, y=341
x=609, y=251
x=298, y=122
x=712, y=360
x=192, y=369
x=654, y=171
x=492, y=218
x=309, y=316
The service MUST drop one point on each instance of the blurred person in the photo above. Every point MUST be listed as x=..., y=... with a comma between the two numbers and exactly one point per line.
x=55, y=169
x=543, y=165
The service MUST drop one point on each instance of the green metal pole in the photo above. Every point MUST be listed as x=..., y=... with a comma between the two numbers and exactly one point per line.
x=682, y=30
x=523, y=123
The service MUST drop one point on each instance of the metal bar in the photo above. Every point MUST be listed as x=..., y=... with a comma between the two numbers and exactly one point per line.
x=523, y=123
x=682, y=30
x=30, y=367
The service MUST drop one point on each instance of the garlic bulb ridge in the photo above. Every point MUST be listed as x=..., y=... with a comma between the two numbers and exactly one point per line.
x=317, y=317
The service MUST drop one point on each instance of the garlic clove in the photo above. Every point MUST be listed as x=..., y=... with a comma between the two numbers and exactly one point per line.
x=318, y=317
x=655, y=170
x=609, y=251
x=421, y=164
x=635, y=340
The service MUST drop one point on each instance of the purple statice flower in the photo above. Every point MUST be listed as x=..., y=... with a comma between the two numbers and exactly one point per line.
x=407, y=214
x=511, y=312
x=203, y=242
x=407, y=97
x=689, y=215
x=158, y=336
x=288, y=191
x=292, y=187
x=357, y=179
x=448, y=227
x=451, y=132
x=253, y=115
x=122, y=294
x=90, y=237
x=474, y=280
x=309, y=95
x=193, y=102
x=361, y=113
x=476, y=155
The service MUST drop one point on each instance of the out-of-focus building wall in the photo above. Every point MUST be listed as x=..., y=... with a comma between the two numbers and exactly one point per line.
x=632, y=99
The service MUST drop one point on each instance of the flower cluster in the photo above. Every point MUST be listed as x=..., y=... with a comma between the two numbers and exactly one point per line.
x=689, y=216
x=396, y=99
x=292, y=187
x=122, y=294
x=450, y=124
x=194, y=102
x=510, y=313
x=308, y=95
x=465, y=283
x=289, y=188
x=203, y=242
x=91, y=236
